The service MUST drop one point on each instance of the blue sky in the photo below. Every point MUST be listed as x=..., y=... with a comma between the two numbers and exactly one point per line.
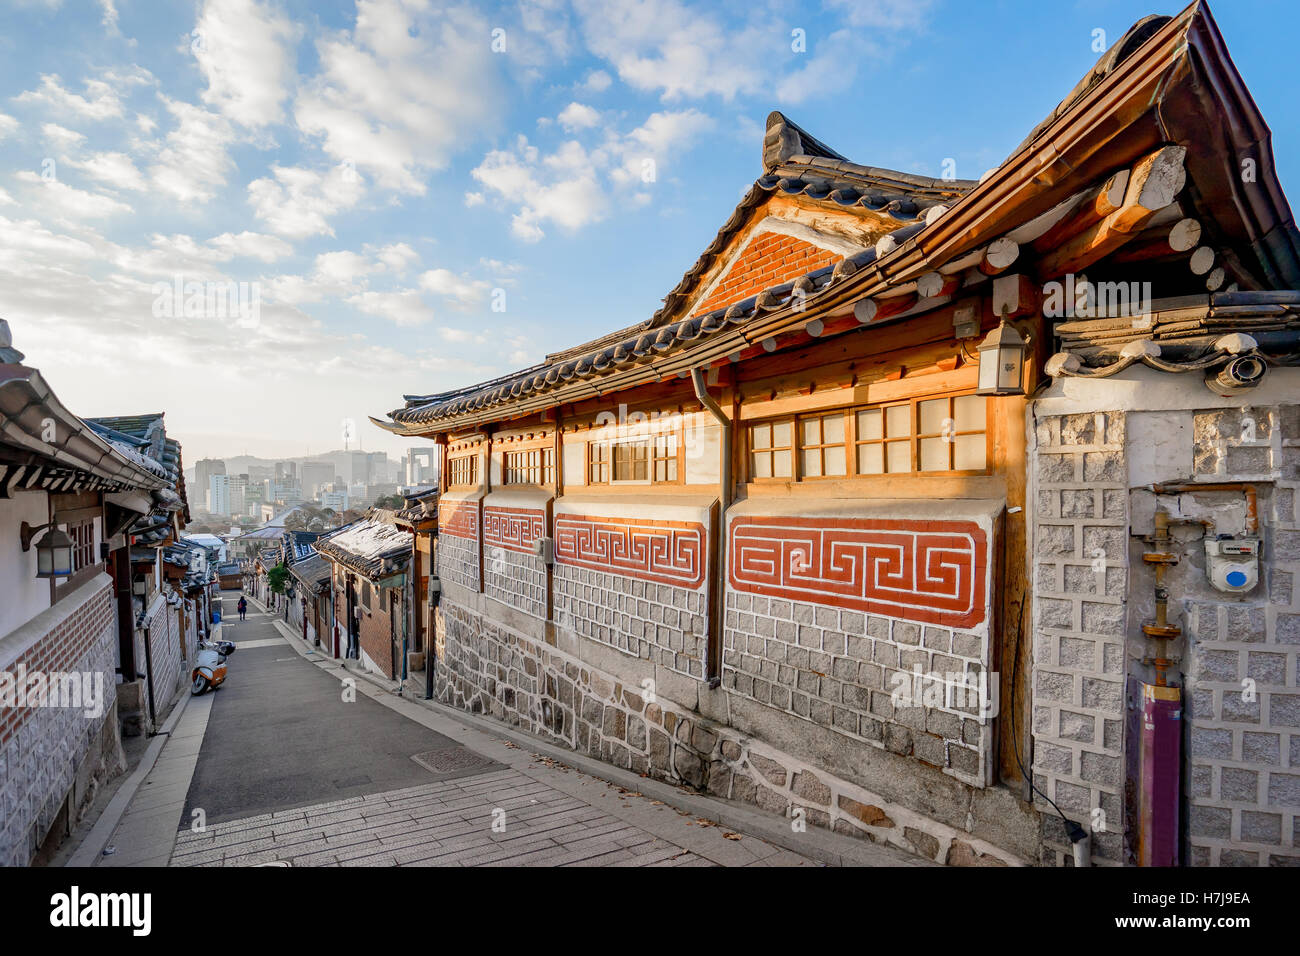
x=384, y=175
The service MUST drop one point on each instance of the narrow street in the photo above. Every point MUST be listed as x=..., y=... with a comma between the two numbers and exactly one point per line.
x=288, y=772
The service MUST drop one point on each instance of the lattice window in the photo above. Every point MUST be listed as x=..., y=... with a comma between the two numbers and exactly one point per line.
x=535, y=466
x=946, y=434
x=462, y=471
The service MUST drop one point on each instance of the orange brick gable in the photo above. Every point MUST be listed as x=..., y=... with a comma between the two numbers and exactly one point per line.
x=768, y=260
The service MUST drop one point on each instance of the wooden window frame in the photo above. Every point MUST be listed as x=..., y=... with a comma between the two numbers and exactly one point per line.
x=652, y=440
x=772, y=448
x=541, y=474
x=800, y=447
x=454, y=468
x=852, y=444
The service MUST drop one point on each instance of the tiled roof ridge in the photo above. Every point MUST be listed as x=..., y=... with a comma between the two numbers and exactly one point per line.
x=811, y=169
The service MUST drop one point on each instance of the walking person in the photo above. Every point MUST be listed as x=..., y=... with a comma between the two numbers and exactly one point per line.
x=243, y=607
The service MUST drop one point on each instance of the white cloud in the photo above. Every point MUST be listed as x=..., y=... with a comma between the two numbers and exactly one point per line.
x=342, y=268
x=254, y=245
x=404, y=308
x=112, y=169
x=67, y=202
x=194, y=160
x=7, y=125
x=680, y=51
x=686, y=50
x=597, y=81
x=474, y=199
x=61, y=137
x=246, y=55
x=570, y=187
x=463, y=291
x=556, y=189
x=577, y=116
x=299, y=202
x=410, y=85
x=396, y=257
x=102, y=98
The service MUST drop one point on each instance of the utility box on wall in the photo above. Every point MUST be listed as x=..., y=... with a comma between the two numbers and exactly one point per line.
x=1232, y=563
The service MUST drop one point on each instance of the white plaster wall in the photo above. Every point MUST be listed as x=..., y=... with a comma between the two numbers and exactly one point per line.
x=22, y=594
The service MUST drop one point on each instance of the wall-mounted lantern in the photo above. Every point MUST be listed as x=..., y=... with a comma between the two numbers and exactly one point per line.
x=1002, y=362
x=53, y=550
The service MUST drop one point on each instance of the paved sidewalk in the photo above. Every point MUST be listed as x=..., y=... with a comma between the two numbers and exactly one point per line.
x=147, y=831
x=428, y=788
x=501, y=818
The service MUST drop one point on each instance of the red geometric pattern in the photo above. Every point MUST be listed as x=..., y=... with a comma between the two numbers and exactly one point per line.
x=514, y=529
x=933, y=572
x=458, y=519
x=666, y=552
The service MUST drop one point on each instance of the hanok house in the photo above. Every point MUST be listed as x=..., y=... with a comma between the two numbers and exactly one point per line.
x=149, y=575
x=66, y=497
x=891, y=520
x=420, y=518
x=370, y=559
x=311, y=608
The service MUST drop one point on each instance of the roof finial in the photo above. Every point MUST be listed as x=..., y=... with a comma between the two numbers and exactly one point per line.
x=8, y=354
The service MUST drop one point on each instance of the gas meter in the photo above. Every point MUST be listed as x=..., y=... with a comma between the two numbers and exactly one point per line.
x=1232, y=563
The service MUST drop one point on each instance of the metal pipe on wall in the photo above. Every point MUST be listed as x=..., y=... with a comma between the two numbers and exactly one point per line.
x=724, y=502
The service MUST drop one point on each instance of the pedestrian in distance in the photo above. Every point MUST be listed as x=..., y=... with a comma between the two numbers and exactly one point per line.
x=243, y=607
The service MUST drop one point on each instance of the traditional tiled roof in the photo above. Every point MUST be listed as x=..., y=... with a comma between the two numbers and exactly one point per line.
x=145, y=436
x=1183, y=334
x=1169, y=80
x=796, y=164
x=369, y=547
x=313, y=572
x=79, y=458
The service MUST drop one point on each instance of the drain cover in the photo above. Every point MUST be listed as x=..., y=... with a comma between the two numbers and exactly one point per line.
x=454, y=760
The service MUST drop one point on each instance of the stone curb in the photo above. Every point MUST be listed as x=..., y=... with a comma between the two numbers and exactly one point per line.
x=826, y=847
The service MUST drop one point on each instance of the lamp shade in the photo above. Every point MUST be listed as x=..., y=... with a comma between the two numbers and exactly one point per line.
x=54, y=555
x=1002, y=362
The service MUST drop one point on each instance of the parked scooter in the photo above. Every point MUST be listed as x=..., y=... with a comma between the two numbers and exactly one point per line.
x=209, y=671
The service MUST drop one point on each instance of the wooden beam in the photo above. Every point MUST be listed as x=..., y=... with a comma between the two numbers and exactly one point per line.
x=1088, y=235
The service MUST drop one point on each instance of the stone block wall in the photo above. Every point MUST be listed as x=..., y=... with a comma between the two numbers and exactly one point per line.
x=1080, y=562
x=1237, y=657
x=843, y=669
x=655, y=622
x=635, y=584
x=48, y=754
x=1243, y=711
x=512, y=573
x=459, y=537
x=488, y=668
x=164, y=636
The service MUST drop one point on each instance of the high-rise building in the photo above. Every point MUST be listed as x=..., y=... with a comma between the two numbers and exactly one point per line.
x=204, y=469
x=219, y=494
x=317, y=476
x=238, y=499
x=420, y=466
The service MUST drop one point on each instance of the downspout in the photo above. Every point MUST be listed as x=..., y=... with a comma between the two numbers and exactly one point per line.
x=724, y=502
x=148, y=666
